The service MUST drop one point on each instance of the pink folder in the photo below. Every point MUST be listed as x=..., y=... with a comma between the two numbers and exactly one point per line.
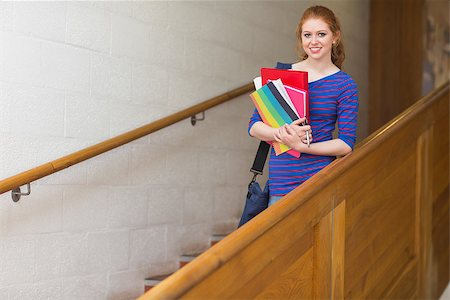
x=299, y=98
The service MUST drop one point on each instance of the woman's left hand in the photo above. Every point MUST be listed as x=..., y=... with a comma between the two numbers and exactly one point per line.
x=303, y=131
x=294, y=135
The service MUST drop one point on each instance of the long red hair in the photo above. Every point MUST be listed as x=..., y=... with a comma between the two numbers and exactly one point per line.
x=328, y=16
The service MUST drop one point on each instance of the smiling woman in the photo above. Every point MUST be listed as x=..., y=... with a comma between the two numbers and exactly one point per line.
x=333, y=98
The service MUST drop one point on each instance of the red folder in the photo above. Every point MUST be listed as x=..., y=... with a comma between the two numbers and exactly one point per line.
x=295, y=79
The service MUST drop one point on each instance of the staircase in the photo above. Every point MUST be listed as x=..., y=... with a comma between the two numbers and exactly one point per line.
x=151, y=282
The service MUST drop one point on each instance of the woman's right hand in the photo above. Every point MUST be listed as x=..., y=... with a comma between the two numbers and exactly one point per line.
x=301, y=130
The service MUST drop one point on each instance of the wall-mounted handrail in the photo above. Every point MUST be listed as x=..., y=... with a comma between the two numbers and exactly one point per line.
x=105, y=146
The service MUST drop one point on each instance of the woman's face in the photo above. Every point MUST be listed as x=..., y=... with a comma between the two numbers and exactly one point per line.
x=317, y=39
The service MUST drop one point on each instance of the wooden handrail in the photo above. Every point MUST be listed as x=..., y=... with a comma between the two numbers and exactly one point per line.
x=314, y=208
x=102, y=147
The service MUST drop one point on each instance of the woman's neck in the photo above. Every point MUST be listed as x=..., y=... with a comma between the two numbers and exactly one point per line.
x=323, y=67
x=316, y=69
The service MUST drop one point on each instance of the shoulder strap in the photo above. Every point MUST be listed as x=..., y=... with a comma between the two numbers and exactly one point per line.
x=260, y=158
x=263, y=149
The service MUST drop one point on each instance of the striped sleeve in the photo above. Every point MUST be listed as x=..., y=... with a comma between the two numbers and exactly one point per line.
x=347, y=110
x=253, y=119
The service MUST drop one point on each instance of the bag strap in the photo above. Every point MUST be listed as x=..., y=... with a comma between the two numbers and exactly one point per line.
x=260, y=159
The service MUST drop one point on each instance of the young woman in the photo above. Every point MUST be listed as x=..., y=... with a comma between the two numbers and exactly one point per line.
x=333, y=97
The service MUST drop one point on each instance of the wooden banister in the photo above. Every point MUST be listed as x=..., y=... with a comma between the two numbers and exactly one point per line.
x=364, y=227
x=89, y=152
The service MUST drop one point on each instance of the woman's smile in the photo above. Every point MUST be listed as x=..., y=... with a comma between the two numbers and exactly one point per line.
x=315, y=50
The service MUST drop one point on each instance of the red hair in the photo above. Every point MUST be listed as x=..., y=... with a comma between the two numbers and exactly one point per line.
x=327, y=15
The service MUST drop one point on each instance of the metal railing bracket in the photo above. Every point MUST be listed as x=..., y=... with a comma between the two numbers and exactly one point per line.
x=194, y=118
x=16, y=193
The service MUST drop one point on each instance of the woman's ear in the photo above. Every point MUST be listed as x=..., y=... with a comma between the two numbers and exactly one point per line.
x=337, y=38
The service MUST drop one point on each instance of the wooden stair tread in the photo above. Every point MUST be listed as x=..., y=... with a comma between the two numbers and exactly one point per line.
x=156, y=279
x=189, y=257
x=218, y=237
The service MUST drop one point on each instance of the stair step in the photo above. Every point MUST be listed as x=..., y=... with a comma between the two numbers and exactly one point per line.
x=151, y=282
x=185, y=259
x=216, y=238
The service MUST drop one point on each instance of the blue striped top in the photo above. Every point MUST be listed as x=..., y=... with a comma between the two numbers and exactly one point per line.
x=331, y=98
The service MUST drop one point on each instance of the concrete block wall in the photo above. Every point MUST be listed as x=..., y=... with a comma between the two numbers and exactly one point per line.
x=75, y=73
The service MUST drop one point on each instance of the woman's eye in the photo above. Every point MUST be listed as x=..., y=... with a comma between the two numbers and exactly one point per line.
x=307, y=35
x=322, y=34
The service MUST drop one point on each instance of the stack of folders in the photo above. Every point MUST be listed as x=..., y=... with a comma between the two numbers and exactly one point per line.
x=279, y=104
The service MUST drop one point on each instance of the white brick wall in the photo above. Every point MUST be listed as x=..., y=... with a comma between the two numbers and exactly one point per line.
x=41, y=290
x=38, y=216
x=88, y=28
x=86, y=117
x=36, y=111
x=75, y=73
x=6, y=15
x=43, y=20
x=127, y=207
x=17, y=260
x=126, y=284
x=21, y=59
x=111, y=77
x=86, y=287
x=65, y=67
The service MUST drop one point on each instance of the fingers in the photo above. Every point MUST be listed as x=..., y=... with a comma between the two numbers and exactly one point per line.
x=277, y=139
x=289, y=129
x=277, y=135
x=285, y=135
x=304, y=139
x=301, y=131
x=293, y=134
x=298, y=121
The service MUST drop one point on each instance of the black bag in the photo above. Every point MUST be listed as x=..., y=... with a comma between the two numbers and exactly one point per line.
x=257, y=200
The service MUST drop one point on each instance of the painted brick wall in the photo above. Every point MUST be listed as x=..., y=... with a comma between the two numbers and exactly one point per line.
x=74, y=74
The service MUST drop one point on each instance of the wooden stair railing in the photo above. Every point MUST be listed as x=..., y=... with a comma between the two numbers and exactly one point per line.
x=89, y=152
x=374, y=224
